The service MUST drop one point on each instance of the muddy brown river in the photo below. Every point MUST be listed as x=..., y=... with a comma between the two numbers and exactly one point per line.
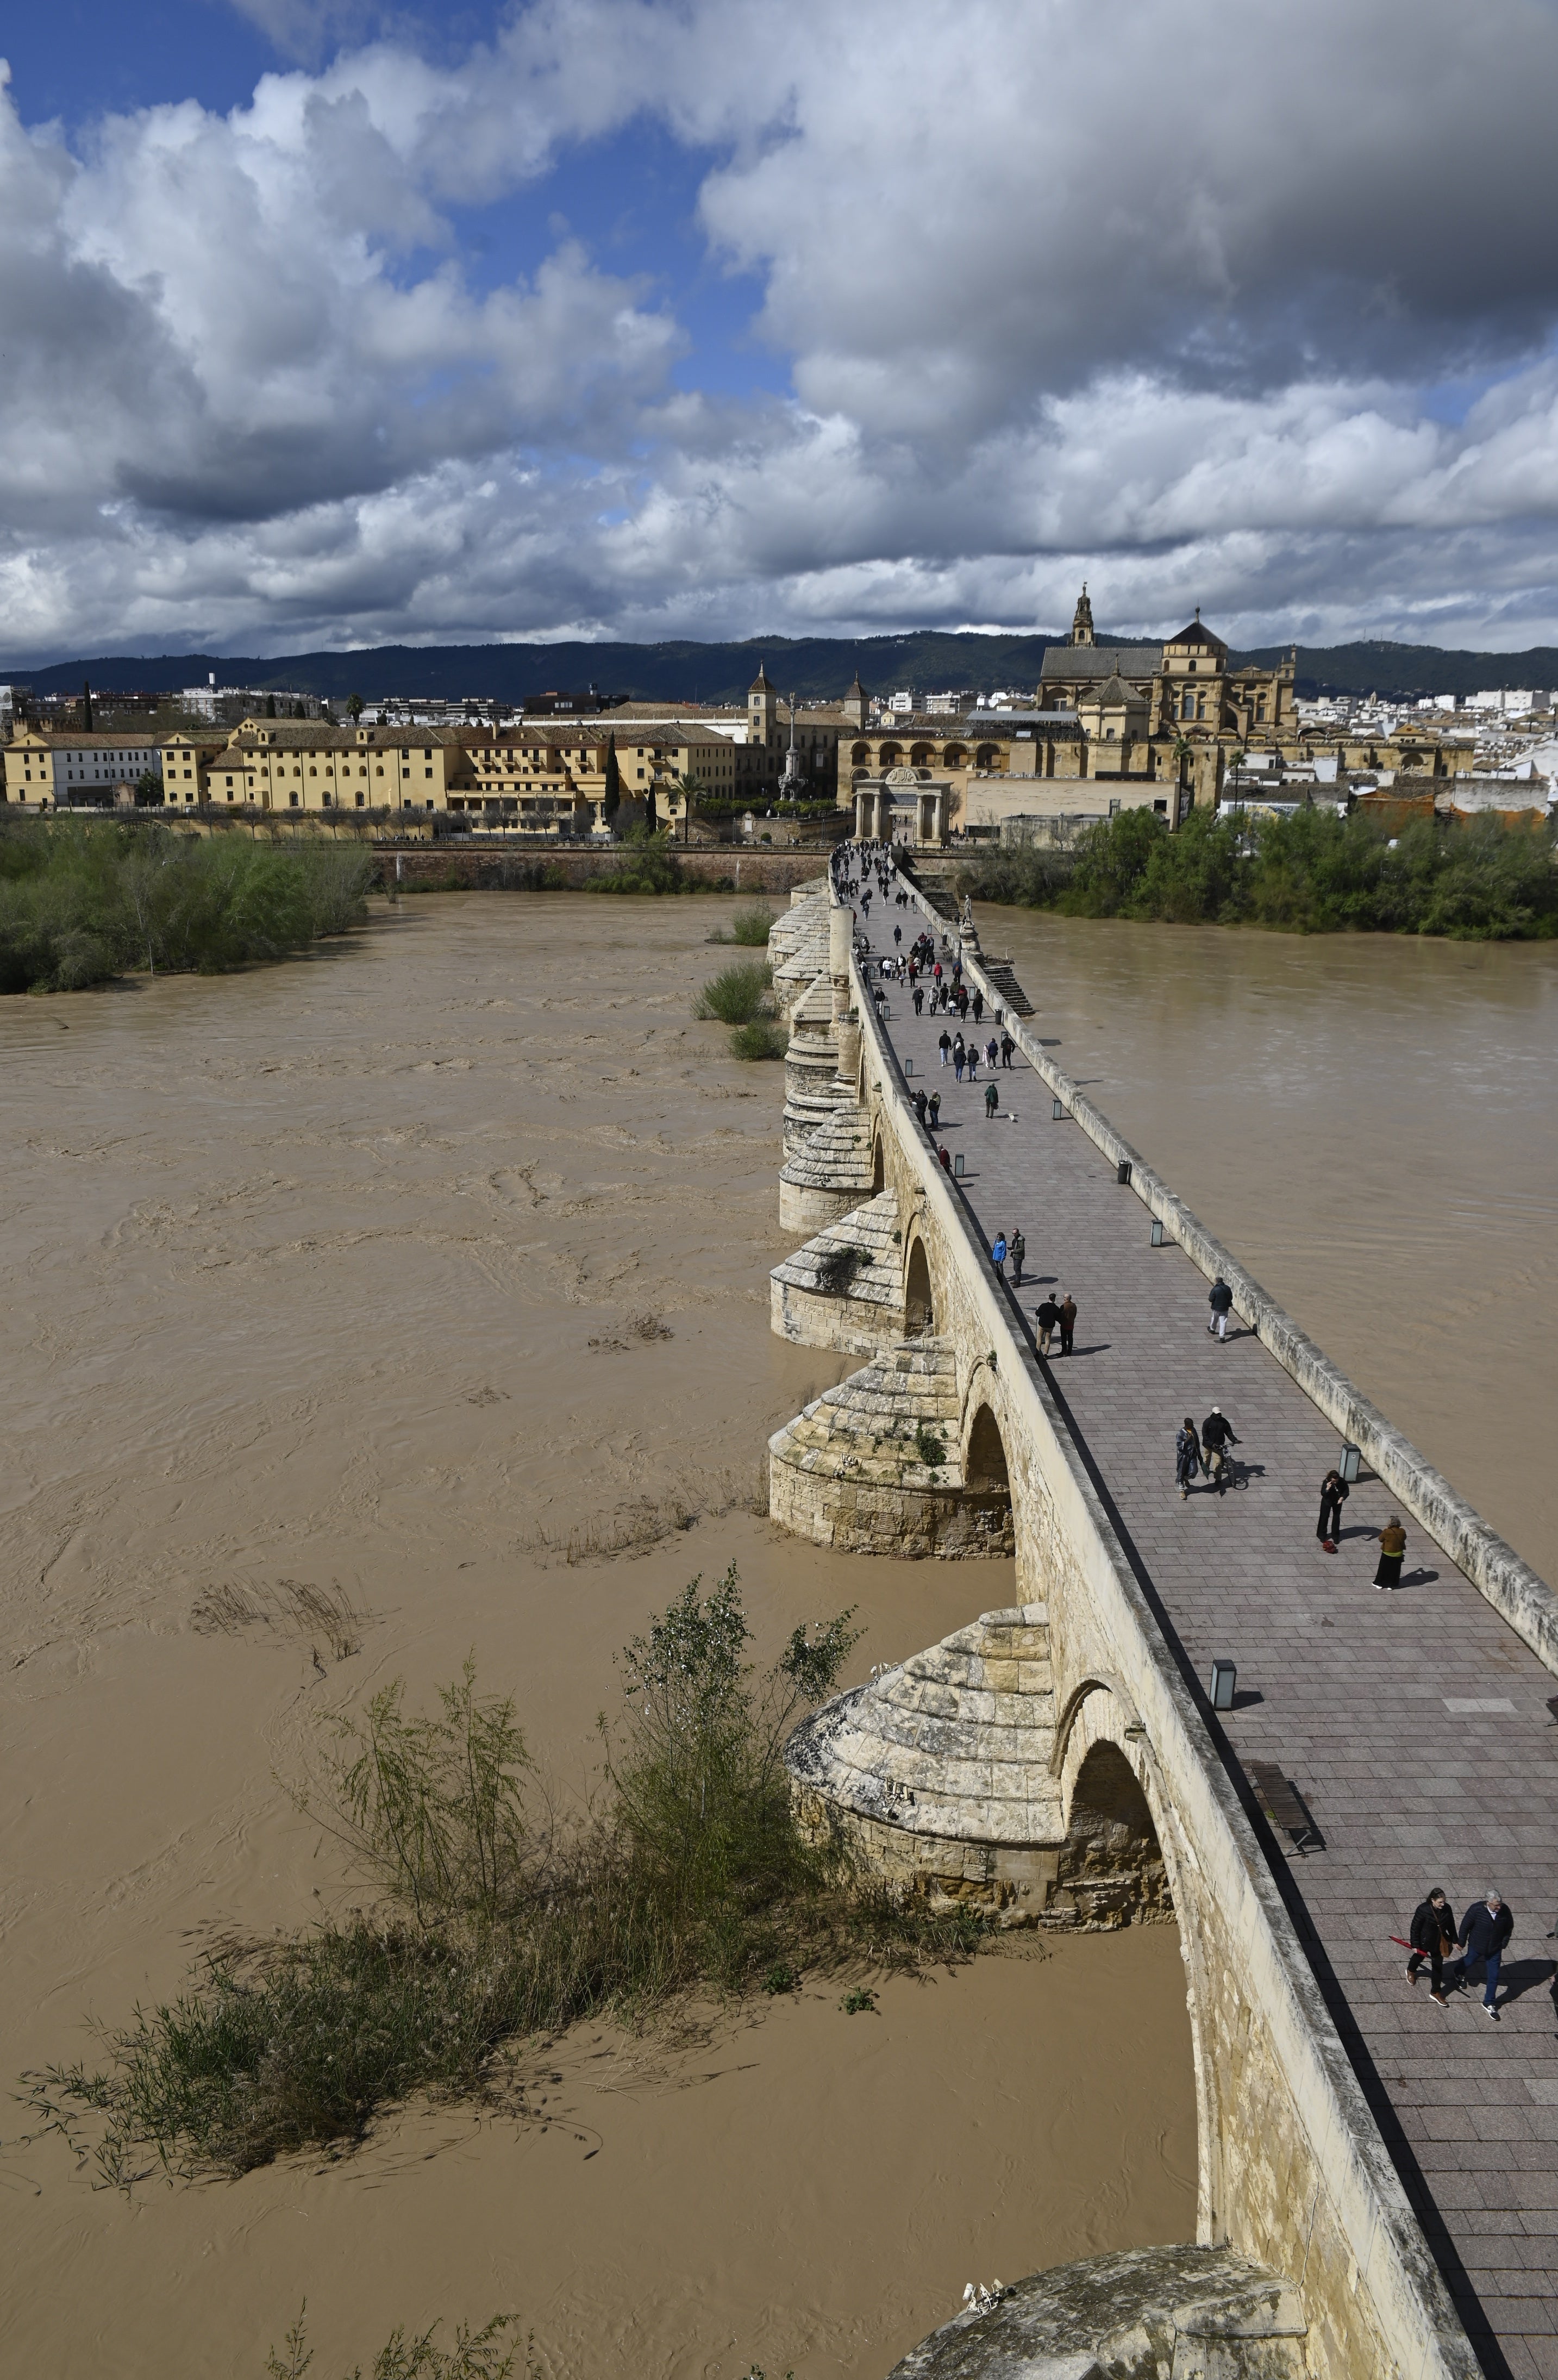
x=417, y=1292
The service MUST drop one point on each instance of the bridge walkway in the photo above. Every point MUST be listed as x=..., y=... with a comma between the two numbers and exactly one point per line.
x=1413, y=1724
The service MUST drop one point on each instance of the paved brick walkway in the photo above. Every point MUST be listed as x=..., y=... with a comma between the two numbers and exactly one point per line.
x=1352, y=1692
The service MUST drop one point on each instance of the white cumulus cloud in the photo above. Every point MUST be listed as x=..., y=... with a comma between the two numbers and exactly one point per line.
x=1252, y=307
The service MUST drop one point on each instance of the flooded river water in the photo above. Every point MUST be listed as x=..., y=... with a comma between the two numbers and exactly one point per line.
x=417, y=1293
x=345, y=1287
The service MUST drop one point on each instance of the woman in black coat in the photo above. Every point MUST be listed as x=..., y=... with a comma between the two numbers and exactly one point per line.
x=1333, y=1493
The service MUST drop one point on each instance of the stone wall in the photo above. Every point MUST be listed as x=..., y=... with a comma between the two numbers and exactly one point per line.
x=460, y=866
x=1292, y=2170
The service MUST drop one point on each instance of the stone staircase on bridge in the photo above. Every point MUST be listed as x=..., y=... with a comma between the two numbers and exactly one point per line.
x=844, y=1288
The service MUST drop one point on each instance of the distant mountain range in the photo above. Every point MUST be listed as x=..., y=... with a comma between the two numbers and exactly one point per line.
x=817, y=667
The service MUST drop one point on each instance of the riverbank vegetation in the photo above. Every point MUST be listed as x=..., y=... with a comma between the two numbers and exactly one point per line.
x=498, y=1919
x=738, y=996
x=1313, y=872
x=750, y=926
x=79, y=904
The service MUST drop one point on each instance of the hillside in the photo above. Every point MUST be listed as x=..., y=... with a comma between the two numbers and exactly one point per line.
x=818, y=668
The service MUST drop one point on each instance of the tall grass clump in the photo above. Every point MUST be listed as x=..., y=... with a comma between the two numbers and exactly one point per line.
x=1313, y=872
x=750, y=926
x=735, y=995
x=79, y=903
x=498, y=1919
x=475, y=2354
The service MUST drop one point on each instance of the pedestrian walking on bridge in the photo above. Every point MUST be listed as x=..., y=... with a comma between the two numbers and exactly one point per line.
x=979, y=1007
x=1485, y=1929
x=1334, y=1494
x=1221, y=1301
x=1068, y=1322
x=1216, y=1437
x=998, y=1254
x=945, y=1045
x=1187, y=1456
x=921, y=1103
x=919, y=1000
x=1007, y=1046
x=1019, y=1244
x=935, y=1110
x=1046, y=1316
x=1432, y=1936
x=992, y=1101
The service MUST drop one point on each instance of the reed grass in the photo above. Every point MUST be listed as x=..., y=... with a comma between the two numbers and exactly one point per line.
x=501, y=1921
x=475, y=2354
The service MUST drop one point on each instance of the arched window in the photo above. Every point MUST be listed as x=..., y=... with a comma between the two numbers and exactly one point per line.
x=1187, y=706
x=1259, y=706
x=859, y=755
x=1201, y=706
x=985, y=756
x=920, y=756
x=890, y=757
x=953, y=757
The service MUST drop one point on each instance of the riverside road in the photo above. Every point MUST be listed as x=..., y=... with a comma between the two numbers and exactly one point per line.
x=1415, y=1724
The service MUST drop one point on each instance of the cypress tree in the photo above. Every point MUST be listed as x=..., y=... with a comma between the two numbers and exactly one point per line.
x=613, y=780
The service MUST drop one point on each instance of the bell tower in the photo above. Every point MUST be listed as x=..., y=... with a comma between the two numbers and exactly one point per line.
x=1081, y=620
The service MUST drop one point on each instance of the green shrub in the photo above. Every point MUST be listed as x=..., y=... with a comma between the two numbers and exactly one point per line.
x=1313, y=872
x=761, y=1039
x=79, y=903
x=648, y=864
x=692, y=1874
x=735, y=995
x=750, y=926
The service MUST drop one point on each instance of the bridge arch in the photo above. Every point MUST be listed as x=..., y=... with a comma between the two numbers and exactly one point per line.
x=1098, y=1736
x=878, y=1163
x=919, y=1299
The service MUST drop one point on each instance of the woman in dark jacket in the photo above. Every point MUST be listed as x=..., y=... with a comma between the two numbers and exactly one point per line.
x=1432, y=1936
x=1187, y=1456
x=1333, y=1493
x=1392, y=1547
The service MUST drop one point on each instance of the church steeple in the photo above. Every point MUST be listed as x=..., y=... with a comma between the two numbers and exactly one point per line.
x=1082, y=619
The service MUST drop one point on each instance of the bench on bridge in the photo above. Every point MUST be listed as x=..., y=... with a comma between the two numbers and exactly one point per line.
x=1279, y=1799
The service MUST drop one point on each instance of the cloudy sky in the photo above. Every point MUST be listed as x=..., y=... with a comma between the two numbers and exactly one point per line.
x=328, y=324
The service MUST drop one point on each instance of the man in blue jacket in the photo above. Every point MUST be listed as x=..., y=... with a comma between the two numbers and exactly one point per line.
x=1485, y=1928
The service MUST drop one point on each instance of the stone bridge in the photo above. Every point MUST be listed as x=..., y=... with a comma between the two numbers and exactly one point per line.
x=1059, y=1762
